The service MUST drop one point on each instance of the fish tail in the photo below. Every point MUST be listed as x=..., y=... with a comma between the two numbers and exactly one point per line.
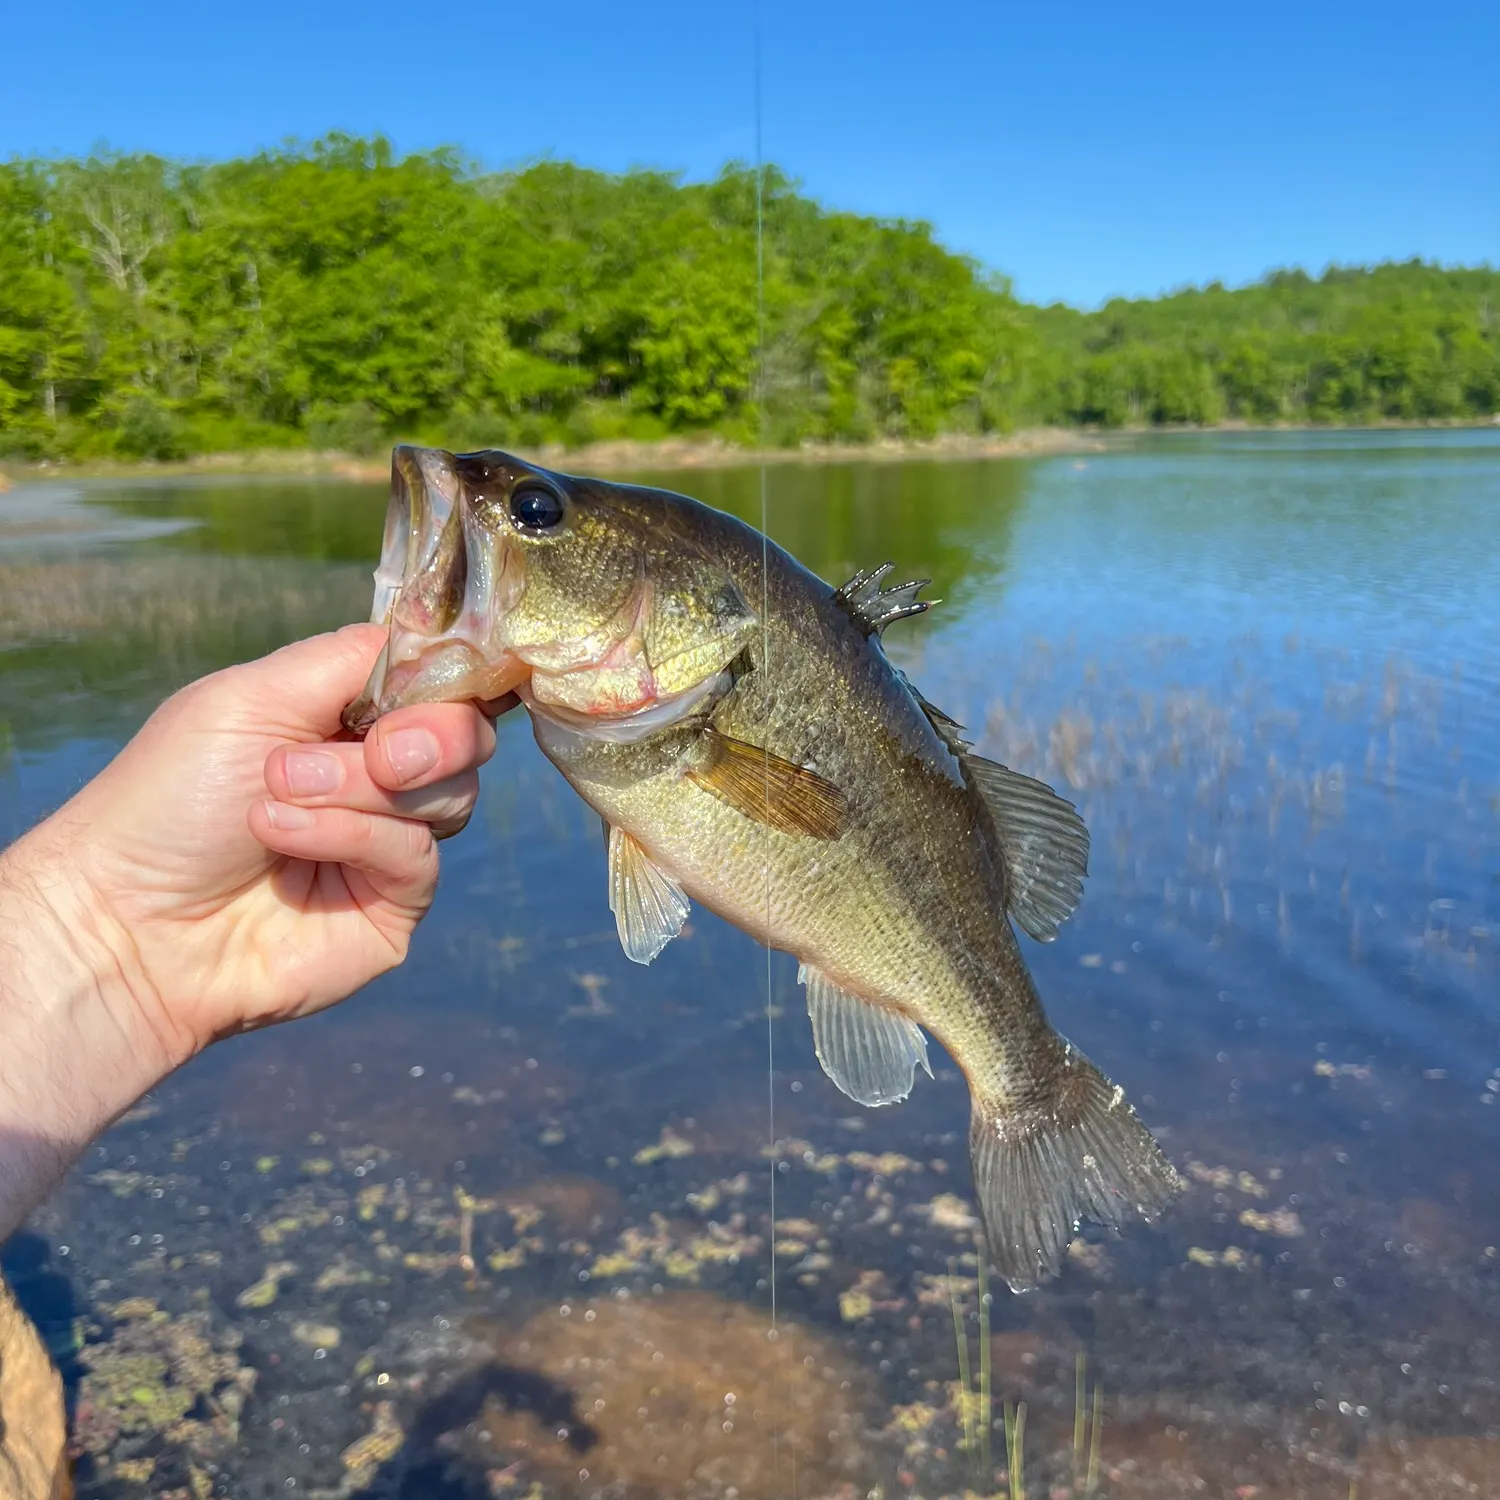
x=1039, y=1171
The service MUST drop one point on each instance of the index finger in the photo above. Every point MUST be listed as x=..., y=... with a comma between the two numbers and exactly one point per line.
x=427, y=742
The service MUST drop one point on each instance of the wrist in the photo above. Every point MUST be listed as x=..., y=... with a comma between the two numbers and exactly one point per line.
x=77, y=1047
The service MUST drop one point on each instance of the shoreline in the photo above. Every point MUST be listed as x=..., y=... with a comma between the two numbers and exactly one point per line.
x=672, y=454
x=602, y=457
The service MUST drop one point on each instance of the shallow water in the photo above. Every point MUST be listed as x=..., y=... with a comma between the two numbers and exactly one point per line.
x=1266, y=667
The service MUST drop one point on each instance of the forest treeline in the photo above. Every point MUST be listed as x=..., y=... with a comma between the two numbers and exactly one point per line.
x=337, y=295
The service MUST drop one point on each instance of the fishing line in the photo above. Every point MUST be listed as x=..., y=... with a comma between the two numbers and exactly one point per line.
x=765, y=627
x=765, y=662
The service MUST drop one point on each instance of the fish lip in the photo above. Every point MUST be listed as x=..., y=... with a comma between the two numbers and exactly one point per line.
x=425, y=487
x=428, y=494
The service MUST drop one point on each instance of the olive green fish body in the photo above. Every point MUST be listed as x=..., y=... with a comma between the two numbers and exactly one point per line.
x=738, y=727
x=905, y=907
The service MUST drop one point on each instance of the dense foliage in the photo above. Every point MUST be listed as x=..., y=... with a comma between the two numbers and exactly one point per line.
x=1406, y=342
x=336, y=295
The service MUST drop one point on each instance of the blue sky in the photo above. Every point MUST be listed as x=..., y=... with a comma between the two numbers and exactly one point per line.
x=1085, y=150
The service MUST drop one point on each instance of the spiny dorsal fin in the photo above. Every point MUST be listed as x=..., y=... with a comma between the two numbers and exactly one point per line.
x=1045, y=844
x=871, y=607
x=769, y=789
x=1043, y=839
x=648, y=904
x=870, y=1052
x=949, y=730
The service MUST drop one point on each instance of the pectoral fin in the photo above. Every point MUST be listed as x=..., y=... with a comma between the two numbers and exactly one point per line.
x=648, y=904
x=871, y=1053
x=769, y=789
x=1045, y=844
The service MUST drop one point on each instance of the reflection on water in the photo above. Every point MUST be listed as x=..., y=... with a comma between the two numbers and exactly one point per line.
x=505, y=1220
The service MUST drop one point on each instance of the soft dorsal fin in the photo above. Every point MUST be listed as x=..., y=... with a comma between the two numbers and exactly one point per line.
x=648, y=904
x=1043, y=839
x=871, y=607
x=870, y=1052
x=763, y=786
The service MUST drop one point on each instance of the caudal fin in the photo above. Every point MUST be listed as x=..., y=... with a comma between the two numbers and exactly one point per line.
x=1037, y=1173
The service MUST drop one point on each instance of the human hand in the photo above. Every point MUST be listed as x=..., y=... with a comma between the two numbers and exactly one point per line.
x=229, y=869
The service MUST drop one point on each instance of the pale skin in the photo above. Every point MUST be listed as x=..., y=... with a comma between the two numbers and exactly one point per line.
x=232, y=868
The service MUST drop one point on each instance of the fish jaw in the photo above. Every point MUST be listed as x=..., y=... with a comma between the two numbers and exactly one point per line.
x=442, y=589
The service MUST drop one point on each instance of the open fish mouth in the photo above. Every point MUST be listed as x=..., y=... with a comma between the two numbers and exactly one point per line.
x=442, y=588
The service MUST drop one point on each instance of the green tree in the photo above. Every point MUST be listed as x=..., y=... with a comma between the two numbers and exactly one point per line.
x=339, y=295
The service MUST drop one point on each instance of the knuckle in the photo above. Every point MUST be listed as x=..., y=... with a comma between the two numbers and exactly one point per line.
x=420, y=846
x=362, y=832
x=206, y=696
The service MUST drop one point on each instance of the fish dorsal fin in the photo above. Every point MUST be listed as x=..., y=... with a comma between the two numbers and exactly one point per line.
x=1043, y=839
x=648, y=904
x=871, y=1053
x=948, y=729
x=769, y=789
x=871, y=607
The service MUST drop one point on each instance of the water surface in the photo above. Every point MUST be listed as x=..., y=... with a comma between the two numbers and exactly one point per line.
x=1266, y=668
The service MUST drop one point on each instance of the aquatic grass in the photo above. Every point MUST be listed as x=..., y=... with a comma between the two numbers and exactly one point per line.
x=1080, y=1382
x=961, y=1339
x=1015, y=1449
x=1088, y=1426
x=975, y=1403
x=167, y=595
x=92, y=645
x=985, y=1411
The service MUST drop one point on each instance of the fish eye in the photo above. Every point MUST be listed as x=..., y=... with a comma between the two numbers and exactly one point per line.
x=533, y=507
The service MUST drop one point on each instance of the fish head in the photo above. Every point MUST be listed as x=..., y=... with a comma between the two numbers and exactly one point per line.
x=591, y=599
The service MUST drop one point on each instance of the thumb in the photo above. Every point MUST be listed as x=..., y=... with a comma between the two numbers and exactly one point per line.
x=302, y=689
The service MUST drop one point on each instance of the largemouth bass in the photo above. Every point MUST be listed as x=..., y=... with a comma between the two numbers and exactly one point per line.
x=737, y=725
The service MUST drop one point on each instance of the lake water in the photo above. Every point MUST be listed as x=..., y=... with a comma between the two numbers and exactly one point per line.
x=1267, y=668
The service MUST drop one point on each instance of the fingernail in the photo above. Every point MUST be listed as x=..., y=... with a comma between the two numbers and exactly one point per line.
x=311, y=773
x=284, y=816
x=412, y=751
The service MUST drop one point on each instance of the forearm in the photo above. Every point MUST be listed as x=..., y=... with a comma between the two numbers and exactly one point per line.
x=75, y=1052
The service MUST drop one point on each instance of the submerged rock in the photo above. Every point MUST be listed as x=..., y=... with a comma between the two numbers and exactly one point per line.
x=33, y=1435
x=682, y=1395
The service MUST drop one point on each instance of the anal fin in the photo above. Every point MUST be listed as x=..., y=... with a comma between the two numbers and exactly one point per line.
x=648, y=904
x=870, y=1052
